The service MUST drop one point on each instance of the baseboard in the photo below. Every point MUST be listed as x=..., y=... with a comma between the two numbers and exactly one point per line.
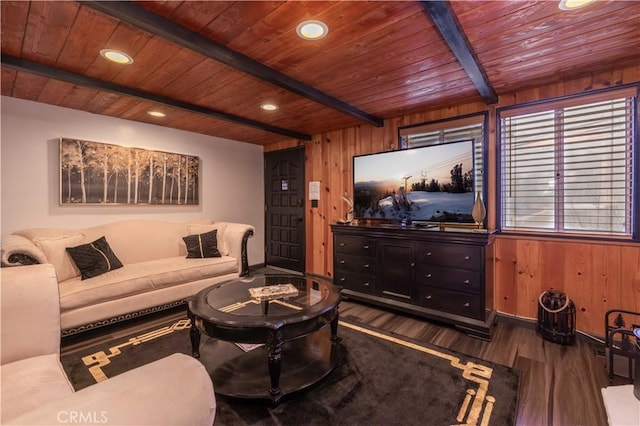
x=256, y=267
x=517, y=321
x=533, y=325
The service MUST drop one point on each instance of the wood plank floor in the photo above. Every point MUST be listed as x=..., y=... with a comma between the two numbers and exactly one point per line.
x=560, y=385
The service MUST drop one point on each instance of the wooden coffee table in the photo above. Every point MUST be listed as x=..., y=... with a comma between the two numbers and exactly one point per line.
x=297, y=333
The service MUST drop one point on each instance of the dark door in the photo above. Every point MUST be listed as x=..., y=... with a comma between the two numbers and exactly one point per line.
x=284, y=199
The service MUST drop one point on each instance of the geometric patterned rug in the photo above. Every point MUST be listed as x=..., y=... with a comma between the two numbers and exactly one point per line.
x=381, y=378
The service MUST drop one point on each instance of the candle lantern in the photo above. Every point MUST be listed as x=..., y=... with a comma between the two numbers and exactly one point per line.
x=556, y=317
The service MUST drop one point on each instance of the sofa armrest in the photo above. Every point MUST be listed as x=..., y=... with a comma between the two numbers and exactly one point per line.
x=236, y=236
x=18, y=250
x=175, y=390
x=29, y=312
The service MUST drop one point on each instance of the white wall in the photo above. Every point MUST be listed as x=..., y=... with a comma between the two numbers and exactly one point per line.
x=231, y=174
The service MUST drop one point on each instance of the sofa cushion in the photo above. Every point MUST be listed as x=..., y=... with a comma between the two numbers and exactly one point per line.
x=95, y=258
x=54, y=250
x=175, y=390
x=142, y=277
x=202, y=245
x=31, y=382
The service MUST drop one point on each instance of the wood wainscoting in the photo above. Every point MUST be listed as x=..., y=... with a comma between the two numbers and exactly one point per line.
x=596, y=275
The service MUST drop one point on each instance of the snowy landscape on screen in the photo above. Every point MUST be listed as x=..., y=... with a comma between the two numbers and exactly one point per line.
x=427, y=206
x=433, y=183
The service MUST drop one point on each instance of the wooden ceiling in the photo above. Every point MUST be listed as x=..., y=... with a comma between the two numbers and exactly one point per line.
x=211, y=64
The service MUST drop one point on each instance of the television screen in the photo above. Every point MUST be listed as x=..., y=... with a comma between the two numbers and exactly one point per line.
x=431, y=184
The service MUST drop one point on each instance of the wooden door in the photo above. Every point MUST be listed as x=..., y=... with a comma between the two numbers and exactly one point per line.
x=284, y=209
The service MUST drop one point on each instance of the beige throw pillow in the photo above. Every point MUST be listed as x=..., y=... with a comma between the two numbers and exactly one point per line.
x=54, y=248
x=201, y=229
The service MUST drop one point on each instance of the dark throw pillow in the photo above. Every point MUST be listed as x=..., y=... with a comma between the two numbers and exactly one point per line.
x=95, y=258
x=202, y=245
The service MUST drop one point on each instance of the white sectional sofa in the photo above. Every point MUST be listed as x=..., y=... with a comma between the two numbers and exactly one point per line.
x=156, y=273
x=175, y=390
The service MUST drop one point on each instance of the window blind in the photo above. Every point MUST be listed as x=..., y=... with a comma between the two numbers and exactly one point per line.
x=568, y=167
x=454, y=130
x=444, y=135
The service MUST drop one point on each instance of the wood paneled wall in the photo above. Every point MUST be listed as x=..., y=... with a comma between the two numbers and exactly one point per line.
x=596, y=275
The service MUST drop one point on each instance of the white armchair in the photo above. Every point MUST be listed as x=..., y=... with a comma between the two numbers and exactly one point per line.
x=175, y=390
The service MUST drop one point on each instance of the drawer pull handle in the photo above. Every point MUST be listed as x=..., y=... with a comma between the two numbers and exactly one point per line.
x=429, y=297
x=342, y=262
x=366, y=247
x=366, y=265
x=342, y=244
x=366, y=284
x=428, y=275
x=413, y=264
x=428, y=253
x=466, y=258
x=466, y=305
x=343, y=279
x=467, y=282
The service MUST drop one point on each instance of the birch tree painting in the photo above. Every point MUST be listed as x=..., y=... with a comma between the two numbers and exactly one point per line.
x=98, y=173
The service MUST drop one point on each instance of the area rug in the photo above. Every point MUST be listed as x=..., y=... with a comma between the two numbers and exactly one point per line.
x=381, y=379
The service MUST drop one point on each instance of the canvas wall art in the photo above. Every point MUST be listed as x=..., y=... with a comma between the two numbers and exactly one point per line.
x=98, y=173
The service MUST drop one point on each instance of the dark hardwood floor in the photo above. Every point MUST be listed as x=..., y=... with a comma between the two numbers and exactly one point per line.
x=560, y=385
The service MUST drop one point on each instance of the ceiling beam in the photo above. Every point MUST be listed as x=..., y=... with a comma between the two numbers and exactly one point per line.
x=138, y=16
x=445, y=20
x=82, y=80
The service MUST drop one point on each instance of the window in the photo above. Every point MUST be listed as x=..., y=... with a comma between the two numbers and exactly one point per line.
x=470, y=127
x=567, y=166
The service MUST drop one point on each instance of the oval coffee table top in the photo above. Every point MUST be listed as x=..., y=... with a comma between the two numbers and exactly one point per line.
x=290, y=298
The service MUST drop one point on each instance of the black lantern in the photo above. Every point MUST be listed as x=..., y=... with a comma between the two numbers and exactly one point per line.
x=556, y=317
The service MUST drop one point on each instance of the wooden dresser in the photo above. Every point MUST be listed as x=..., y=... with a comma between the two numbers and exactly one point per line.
x=444, y=275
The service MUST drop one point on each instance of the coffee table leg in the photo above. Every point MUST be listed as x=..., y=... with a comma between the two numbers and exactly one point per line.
x=334, y=328
x=275, y=360
x=194, y=334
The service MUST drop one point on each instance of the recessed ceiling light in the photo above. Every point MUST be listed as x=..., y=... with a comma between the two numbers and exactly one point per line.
x=116, y=56
x=573, y=4
x=312, y=30
x=157, y=113
x=269, y=107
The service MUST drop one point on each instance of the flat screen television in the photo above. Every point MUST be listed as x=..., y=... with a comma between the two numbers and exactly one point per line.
x=427, y=184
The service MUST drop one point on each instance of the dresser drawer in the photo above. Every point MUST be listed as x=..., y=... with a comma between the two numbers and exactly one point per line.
x=457, y=256
x=358, y=264
x=449, y=278
x=355, y=245
x=454, y=302
x=353, y=281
